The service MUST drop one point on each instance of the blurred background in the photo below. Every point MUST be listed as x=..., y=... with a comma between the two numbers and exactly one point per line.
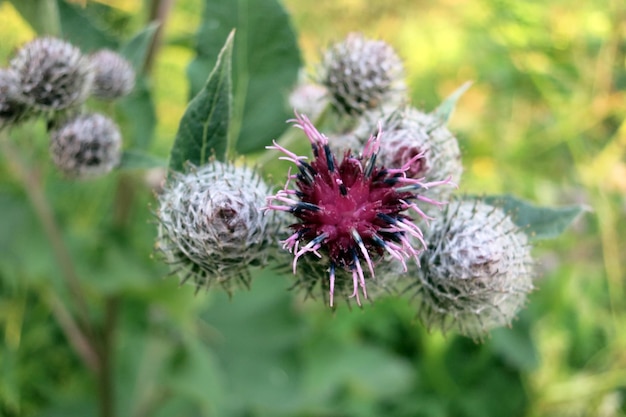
x=544, y=120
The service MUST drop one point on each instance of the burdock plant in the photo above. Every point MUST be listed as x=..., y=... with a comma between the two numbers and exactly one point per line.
x=368, y=205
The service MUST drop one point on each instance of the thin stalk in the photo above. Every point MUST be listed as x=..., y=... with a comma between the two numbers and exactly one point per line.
x=35, y=193
x=73, y=333
x=123, y=204
x=159, y=12
x=106, y=374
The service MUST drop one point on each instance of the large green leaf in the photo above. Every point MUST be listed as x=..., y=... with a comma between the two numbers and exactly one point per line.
x=137, y=115
x=136, y=111
x=204, y=129
x=136, y=159
x=79, y=28
x=538, y=222
x=265, y=65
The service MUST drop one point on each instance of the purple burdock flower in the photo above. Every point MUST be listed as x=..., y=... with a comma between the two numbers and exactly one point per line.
x=350, y=211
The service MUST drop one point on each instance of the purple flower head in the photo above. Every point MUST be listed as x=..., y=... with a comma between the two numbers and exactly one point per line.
x=350, y=211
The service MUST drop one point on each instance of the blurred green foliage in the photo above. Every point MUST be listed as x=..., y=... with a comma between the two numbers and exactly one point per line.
x=544, y=120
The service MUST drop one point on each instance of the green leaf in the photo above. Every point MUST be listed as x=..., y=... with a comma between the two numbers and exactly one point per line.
x=515, y=345
x=41, y=15
x=79, y=28
x=538, y=222
x=265, y=65
x=137, y=115
x=446, y=108
x=136, y=159
x=204, y=128
x=136, y=49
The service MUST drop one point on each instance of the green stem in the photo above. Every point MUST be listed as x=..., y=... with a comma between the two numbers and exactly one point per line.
x=106, y=375
x=32, y=186
x=72, y=331
x=159, y=12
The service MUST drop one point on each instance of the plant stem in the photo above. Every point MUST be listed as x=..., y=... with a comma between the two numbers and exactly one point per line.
x=159, y=12
x=107, y=359
x=32, y=186
x=73, y=333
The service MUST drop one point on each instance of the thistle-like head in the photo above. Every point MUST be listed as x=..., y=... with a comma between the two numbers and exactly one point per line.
x=362, y=74
x=114, y=75
x=12, y=110
x=349, y=211
x=409, y=133
x=211, y=226
x=86, y=146
x=53, y=74
x=476, y=272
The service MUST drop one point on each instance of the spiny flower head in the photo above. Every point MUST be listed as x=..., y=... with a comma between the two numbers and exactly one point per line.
x=211, y=226
x=350, y=211
x=362, y=74
x=476, y=272
x=114, y=75
x=86, y=146
x=53, y=74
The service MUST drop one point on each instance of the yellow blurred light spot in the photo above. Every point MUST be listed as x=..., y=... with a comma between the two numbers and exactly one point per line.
x=128, y=6
x=616, y=179
x=15, y=31
x=598, y=23
x=483, y=167
x=564, y=26
x=537, y=62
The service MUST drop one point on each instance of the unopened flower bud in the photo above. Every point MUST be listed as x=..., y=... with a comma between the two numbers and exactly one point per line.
x=114, y=75
x=53, y=74
x=362, y=74
x=11, y=109
x=86, y=146
x=211, y=226
x=310, y=99
x=410, y=133
x=477, y=270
